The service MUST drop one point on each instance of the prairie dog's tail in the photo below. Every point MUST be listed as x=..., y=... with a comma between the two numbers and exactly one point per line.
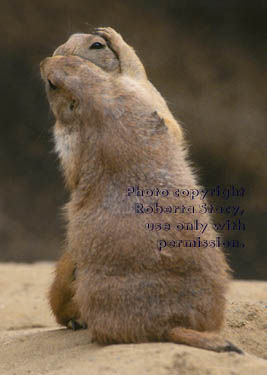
x=203, y=340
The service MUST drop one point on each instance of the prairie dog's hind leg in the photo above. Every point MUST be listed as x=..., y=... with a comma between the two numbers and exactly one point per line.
x=130, y=63
x=61, y=294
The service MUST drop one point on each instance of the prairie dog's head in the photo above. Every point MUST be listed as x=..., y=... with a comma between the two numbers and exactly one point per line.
x=92, y=48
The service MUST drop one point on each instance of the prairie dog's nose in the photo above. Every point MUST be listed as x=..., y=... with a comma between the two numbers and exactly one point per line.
x=52, y=86
x=47, y=66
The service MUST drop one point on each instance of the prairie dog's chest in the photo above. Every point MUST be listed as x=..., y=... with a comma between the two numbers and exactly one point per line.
x=66, y=143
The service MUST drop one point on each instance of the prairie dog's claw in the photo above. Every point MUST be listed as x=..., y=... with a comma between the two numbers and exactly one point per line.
x=76, y=324
x=109, y=34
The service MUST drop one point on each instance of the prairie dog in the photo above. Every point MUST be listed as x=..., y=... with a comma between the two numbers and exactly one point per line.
x=110, y=136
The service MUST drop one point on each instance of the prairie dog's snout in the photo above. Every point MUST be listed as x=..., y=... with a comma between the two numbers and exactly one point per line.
x=50, y=73
x=47, y=64
x=60, y=72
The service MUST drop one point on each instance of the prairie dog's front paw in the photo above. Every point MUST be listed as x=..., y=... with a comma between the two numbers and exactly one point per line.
x=110, y=35
x=75, y=324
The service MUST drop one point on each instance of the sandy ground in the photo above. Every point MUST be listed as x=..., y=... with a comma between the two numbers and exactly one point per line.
x=32, y=343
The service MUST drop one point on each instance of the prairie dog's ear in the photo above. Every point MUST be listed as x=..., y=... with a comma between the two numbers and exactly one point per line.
x=159, y=123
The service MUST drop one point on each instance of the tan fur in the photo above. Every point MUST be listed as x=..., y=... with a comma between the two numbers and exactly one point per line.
x=125, y=289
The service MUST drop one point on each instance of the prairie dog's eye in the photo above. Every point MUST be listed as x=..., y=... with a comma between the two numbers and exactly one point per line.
x=97, y=45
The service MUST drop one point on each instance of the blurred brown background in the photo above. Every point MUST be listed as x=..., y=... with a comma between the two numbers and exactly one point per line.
x=207, y=58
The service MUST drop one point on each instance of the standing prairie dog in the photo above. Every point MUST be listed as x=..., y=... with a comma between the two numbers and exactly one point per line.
x=113, y=278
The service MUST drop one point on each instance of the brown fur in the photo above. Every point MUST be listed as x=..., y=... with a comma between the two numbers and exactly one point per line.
x=62, y=291
x=110, y=136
